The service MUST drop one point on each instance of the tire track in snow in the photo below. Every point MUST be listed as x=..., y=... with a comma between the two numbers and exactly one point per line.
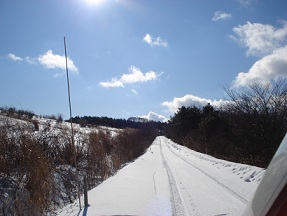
x=179, y=206
x=228, y=189
x=175, y=196
x=154, y=185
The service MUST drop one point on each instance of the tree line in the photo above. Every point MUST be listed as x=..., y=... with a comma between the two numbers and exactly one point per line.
x=248, y=128
x=92, y=121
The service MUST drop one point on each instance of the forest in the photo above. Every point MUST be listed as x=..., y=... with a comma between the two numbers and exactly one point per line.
x=248, y=129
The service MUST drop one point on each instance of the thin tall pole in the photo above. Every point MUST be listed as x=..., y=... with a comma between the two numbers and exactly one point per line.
x=71, y=121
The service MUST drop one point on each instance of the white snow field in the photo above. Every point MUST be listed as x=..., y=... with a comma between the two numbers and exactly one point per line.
x=170, y=179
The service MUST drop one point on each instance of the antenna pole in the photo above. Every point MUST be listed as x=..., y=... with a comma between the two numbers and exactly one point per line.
x=71, y=121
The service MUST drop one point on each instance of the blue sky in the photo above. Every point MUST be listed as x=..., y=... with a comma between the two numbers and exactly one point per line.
x=136, y=57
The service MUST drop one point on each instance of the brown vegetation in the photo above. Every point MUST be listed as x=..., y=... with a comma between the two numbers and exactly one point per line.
x=37, y=161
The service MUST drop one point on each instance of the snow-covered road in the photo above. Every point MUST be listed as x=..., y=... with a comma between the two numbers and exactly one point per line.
x=202, y=192
x=170, y=179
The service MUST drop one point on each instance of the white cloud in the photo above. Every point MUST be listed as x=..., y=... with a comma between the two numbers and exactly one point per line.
x=114, y=83
x=260, y=39
x=14, y=57
x=190, y=100
x=30, y=60
x=268, y=68
x=48, y=60
x=55, y=61
x=134, y=76
x=152, y=116
x=154, y=41
x=220, y=15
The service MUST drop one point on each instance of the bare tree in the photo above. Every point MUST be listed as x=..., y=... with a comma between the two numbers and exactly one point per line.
x=259, y=116
x=258, y=98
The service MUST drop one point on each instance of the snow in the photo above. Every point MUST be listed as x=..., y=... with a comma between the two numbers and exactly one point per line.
x=170, y=179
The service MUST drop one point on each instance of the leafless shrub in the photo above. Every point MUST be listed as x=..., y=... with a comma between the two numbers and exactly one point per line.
x=37, y=163
x=97, y=154
x=23, y=161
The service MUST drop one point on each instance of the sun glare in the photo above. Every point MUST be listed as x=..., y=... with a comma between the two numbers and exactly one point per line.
x=94, y=1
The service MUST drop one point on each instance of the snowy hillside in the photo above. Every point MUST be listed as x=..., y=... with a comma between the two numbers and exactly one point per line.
x=37, y=160
x=170, y=179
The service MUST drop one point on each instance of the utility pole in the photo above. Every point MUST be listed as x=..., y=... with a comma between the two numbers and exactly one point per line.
x=71, y=121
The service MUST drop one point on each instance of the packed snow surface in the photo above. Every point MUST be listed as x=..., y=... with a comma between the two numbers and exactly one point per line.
x=170, y=179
